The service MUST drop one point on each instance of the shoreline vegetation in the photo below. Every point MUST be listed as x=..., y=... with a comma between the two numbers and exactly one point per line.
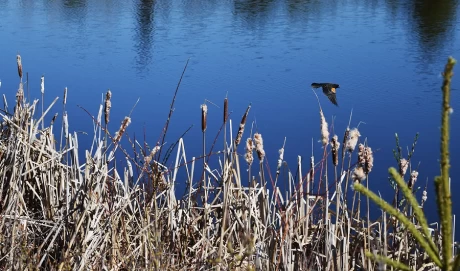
x=60, y=211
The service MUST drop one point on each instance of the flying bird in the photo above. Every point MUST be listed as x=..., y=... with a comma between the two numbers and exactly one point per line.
x=329, y=89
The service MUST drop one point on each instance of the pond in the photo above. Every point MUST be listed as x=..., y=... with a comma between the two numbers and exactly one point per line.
x=386, y=55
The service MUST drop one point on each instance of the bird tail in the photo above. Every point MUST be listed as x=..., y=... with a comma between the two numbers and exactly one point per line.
x=316, y=85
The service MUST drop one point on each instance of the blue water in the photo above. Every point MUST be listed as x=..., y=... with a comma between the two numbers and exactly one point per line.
x=387, y=57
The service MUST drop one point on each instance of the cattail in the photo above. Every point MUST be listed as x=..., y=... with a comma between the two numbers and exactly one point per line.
x=335, y=145
x=204, y=113
x=358, y=174
x=352, y=139
x=124, y=125
x=239, y=135
x=413, y=179
x=225, y=110
x=20, y=94
x=64, y=101
x=66, y=125
x=324, y=129
x=54, y=119
x=365, y=158
x=42, y=84
x=149, y=158
x=424, y=197
x=403, y=165
x=18, y=59
x=249, y=149
x=280, y=160
x=108, y=105
x=344, y=142
x=259, y=146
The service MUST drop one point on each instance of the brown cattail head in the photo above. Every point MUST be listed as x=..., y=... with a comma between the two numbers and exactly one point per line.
x=249, y=149
x=149, y=158
x=335, y=145
x=344, y=142
x=361, y=159
x=204, y=114
x=413, y=179
x=352, y=139
x=64, y=101
x=124, y=125
x=108, y=105
x=225, y=110
x=18, y=60
x=239, y=135
x=403, y=165
x=358, y=174
x=324, y=129
x=259, y=146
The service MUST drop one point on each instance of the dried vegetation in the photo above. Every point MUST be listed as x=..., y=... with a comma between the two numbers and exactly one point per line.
x=59, y=211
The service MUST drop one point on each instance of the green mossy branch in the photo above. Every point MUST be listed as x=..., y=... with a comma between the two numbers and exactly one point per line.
x=433, y=254
x=395, y=264
x=443, y=196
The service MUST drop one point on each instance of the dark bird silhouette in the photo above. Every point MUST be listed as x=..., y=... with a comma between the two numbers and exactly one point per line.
x=329, y=89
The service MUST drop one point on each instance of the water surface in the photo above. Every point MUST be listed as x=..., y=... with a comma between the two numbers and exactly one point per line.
x=387, y=57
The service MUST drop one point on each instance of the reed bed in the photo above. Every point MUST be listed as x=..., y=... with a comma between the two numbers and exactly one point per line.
x=60, y=211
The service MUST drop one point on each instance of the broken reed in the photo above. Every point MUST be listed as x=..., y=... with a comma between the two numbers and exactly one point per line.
x=89, y=213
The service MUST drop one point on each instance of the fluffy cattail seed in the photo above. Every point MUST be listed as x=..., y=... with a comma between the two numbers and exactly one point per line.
x=204, y=114
x=352, y=139
x=413, y=179
x=403, y=165
x=124, y=125
x=20, y=95
x=42, y=84
x=108, y=105
x=239, y=135
x=280, y=160
x=225, y=110
x=365, y=158
x=335, y=145
x=149, y=158
x=358, y=174
x=249, y=149
x=324, y=129
x=259, y=146
x=424, y=197
x=18, y=60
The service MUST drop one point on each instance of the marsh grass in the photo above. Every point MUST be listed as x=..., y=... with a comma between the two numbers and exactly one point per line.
x=60, y=211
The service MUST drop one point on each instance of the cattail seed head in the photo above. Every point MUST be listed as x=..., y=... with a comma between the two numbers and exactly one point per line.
x=149, y=158
x=365, y=158
x=64, y=101
x=358, y=174
x=42, y=84
x=335, y=145
x=259, y=147
x=122, y=130
x=324, y=129
x=352, y=139
x=344, y=142
x=20, y=95
x=280, y=160
x=108, y=105
x=225, y=110
x=204, y=113
x=424, y=196
x=413, y=179
x=403, y=166
x=249, y=149
x=239, y=135
x=18, y=60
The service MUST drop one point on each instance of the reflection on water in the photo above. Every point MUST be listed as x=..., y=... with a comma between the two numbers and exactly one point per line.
x=434, y=23
x=144, y=34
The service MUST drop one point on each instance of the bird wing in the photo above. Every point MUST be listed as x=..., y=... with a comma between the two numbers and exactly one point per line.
x=330, y=93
